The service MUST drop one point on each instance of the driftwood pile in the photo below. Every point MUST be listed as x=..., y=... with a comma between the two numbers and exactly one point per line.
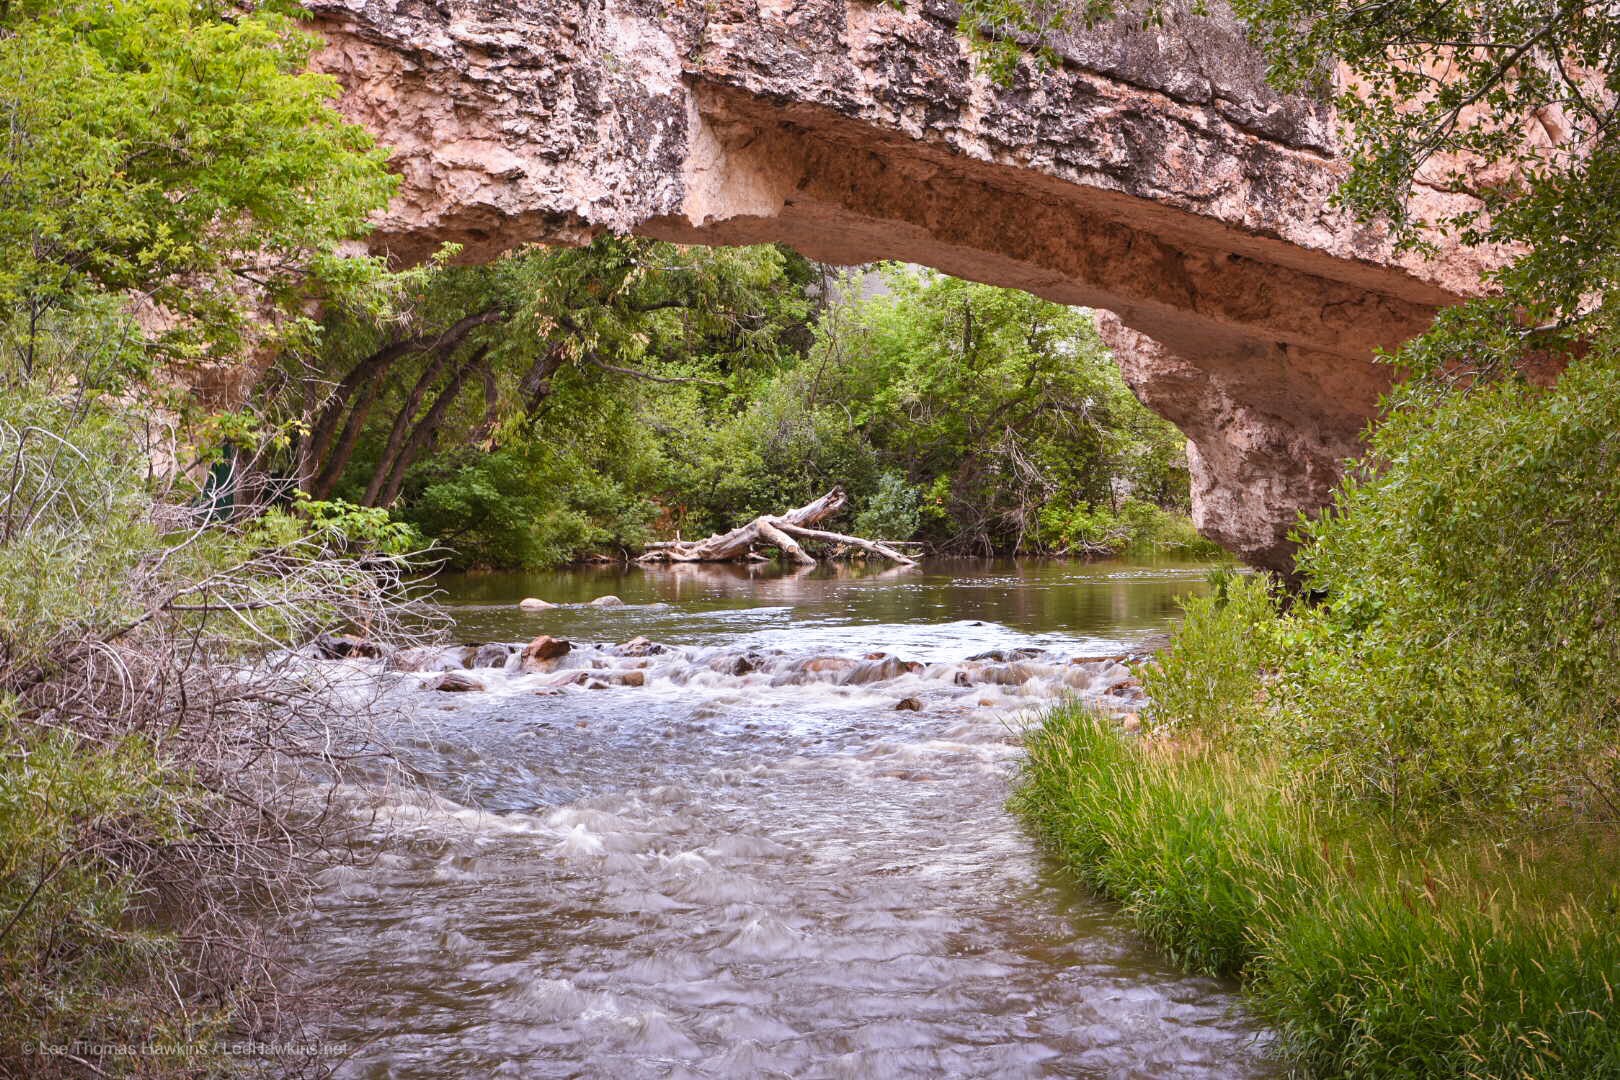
x=781, y=531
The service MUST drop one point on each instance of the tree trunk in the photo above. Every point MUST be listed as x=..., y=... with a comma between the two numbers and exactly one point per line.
x=871, y=547
x=424, y=434
x=338, y=460
x=401, y=431
x=368, y=372
x=535, y=386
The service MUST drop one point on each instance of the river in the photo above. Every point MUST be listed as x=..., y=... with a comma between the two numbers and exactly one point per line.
x=729, y=854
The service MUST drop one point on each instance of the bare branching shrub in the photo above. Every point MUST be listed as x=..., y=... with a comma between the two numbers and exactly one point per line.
x=164, y=729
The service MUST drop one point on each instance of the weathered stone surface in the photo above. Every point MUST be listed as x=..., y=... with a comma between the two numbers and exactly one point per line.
x=1267, y=430
x=1152, y=175
x=543, y=652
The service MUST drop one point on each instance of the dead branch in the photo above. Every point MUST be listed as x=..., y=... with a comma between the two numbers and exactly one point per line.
x=776, y=531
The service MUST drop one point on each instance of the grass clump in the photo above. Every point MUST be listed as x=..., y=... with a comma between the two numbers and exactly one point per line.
x=1372, y=954
x=1136, y=820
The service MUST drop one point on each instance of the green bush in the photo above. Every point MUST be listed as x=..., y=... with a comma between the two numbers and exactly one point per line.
x=890, y=512
x=1214, y=681
x=1466, y=654
x=1136, y=526
x=75, y=962
x=1461, y=660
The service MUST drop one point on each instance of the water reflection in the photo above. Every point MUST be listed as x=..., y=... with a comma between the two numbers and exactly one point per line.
x=1060, y=601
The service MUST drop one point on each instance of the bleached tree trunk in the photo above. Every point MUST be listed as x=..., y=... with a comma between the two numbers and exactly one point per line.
x=778, y=531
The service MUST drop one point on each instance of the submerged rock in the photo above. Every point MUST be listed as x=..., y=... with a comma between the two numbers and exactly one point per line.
x=570, y=678
x=454, y=682
x=344, y=646
x=826, y=665
x=638, y=646
x=871, y=671
x=491, y=656
x=1002, y=656
x=427, y=658
x=745, y=664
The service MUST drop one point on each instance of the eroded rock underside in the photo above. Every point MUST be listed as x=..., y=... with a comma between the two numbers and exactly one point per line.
x=1151, y=175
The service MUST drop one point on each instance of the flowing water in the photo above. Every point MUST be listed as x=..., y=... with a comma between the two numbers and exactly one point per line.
x=725, y=852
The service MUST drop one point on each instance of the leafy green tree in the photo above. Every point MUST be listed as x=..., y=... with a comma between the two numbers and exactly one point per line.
x=176, y=154
x=1001, y=404
x=530, y=410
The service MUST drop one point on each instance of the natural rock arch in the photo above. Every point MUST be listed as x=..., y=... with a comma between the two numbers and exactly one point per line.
x=1151, y=175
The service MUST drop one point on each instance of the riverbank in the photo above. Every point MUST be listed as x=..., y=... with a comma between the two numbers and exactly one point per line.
x=1370, y=955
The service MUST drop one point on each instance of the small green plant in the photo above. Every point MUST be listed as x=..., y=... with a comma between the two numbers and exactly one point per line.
x=1213, y=682
x=891, y=511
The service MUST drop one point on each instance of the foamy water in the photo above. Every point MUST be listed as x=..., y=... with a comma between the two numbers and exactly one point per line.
x=729, y=854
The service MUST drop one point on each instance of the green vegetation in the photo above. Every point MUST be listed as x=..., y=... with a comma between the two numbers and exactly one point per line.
x=1392, y=811
x=172, y=191
x=1391, y=803
x=556, y=404
x=144, y=835
x=1371, y=955
x=221, y=437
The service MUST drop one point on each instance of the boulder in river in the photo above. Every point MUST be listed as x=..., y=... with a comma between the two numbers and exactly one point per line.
x=826, y=664
x=454, y=682
x=577, y=677
x=426, y=658
x=637, y=646
x=534, y=603
x=909, y=704
x=607, y=601
x=870, y=671
x=543, y=652
x=1004, y=656
x=344, y=646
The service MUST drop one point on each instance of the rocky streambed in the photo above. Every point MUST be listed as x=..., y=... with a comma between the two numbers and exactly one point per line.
x=699, y=839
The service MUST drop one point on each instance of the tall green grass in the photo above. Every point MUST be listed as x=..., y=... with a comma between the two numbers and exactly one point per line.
x=1371, y=956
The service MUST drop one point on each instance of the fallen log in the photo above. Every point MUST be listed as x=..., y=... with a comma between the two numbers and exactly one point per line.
x=871, y=547
x=775, y=530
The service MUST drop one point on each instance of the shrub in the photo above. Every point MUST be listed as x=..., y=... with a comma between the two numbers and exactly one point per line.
x=1214, y=679
x=891, y=512
x=1467, y=656
x=155, y=732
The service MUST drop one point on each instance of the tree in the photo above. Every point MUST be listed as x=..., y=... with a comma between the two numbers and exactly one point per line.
x=513, y=409
x=176, y=154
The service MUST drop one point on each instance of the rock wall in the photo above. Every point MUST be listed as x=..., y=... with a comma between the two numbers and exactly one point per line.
x=1152, y=175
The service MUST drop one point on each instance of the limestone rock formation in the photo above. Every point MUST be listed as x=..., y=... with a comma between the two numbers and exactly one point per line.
x=1152, y=174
